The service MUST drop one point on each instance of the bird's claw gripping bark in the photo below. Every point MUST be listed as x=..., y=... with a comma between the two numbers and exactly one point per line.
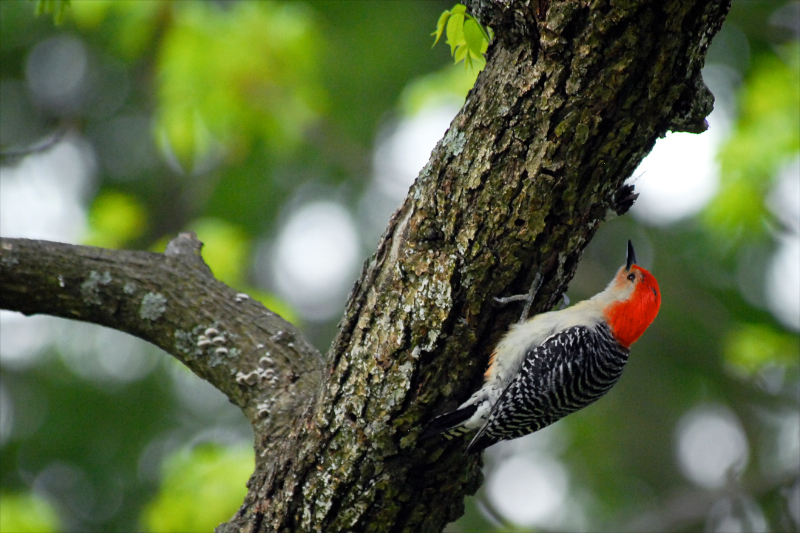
x=527, y=298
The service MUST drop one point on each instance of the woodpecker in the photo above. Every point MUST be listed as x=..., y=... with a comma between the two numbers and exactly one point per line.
x=556, y=363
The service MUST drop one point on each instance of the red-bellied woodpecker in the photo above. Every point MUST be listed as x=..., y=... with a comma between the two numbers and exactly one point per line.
x=556, y=363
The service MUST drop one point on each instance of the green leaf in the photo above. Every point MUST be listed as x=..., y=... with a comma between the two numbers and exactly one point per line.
x=475, y=55
x=461, y=53
x=455, y=33
x=459, y=9
x=488, y=34
x=473, y=36
x=440, y=27
x=468, y=61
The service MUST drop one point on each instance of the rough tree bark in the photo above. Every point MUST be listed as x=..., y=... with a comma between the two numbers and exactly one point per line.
x=573, y=96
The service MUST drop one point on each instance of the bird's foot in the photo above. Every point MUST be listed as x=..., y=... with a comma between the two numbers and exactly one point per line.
x=527, y=298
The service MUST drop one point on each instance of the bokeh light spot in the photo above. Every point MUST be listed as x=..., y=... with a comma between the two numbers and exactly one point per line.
x=528, y=490
x=315, y=259
x=711, y=446
x=55, y=71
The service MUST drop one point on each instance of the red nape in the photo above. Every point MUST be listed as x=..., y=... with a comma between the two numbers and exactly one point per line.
x=629, y=318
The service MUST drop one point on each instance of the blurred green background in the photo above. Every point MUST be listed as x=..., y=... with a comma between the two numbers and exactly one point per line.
x=285, y=134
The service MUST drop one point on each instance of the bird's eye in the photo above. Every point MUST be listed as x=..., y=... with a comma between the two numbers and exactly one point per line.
x=631, y=276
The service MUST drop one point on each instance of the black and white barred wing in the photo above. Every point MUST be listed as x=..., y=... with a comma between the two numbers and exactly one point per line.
x=567, y=372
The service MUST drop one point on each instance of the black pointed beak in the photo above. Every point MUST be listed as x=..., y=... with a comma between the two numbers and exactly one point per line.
x=631, y=260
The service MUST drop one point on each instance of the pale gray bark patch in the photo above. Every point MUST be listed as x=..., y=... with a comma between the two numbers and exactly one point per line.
x=91, y=288
x=153, y=305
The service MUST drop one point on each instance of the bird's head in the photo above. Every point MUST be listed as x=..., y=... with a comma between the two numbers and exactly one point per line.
x=635, y=299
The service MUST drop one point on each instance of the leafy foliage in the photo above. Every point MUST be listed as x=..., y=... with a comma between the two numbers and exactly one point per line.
x=765, y=137
x=27, y=513
x=752, y=347
x=229, y=77
x=56, y=7
x=467, y=38
x=201, y=488
x=115, y=219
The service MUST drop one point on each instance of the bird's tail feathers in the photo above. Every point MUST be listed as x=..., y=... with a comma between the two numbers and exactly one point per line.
x=479, y=442
x=449, y=423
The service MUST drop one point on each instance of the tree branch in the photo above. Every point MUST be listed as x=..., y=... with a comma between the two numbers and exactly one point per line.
x=172, y=300
x=41, y=146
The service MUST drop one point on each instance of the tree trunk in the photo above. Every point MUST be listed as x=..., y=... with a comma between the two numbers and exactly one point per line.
x=573, y=96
